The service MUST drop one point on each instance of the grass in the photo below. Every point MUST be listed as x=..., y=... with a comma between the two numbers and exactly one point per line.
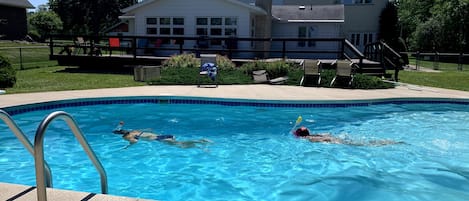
x=60, y=78
x=26, y=55
x=458, y=80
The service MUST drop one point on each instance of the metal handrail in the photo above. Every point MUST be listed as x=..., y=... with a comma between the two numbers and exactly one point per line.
x=39, y=152
x=26, y=143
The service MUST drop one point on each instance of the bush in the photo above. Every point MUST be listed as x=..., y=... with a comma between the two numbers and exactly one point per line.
x=368, y=82
x=274, y=69
x=7, y=73
x=190, y=61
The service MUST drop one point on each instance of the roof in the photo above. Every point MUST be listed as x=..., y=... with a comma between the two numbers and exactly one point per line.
x=320, y=13
x=16, y=3
x=236, y=2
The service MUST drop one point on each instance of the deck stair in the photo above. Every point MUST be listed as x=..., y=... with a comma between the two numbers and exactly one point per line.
x=379, y=58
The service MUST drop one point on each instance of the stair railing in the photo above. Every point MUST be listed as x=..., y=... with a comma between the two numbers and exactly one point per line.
x=39, y=152
x=26, y=143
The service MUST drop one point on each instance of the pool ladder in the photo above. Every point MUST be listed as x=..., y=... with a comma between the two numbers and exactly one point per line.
x=43, y=173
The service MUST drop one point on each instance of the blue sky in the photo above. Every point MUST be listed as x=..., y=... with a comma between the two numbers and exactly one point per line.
x=38, y=2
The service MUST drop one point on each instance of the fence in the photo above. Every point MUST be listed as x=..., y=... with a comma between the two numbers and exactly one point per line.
x=27, y=57
x=440, y=61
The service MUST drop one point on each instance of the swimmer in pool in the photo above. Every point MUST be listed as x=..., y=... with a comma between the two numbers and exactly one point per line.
x=303, y=132
x=133, y=136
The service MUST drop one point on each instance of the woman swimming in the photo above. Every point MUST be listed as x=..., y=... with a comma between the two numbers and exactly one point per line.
x=133, y=136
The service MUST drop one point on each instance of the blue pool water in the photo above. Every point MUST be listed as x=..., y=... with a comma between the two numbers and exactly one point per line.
x=253, y=156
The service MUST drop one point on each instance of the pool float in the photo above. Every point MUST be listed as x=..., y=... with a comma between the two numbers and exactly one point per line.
x=2, y=91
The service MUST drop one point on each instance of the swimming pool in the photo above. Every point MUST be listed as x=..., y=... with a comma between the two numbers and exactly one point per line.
x=253, y=156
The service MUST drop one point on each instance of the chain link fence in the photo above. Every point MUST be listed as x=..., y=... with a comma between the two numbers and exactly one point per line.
x=28, y=57
x=439, y=61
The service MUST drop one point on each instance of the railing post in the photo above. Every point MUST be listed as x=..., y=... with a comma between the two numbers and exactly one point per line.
x=21, y=59
x=51, y=46
x=284, y=49
x=460, y=61
x=134, y=47
x=417, y=55
x=436, y=59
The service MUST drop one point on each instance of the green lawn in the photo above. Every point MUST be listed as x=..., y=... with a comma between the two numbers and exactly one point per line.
x=26, y=55
x=60, y=78
x=458, y=80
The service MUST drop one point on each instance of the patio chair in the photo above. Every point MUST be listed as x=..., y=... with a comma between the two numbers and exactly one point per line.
x=344, y=70
x=261, y=76
x=80, y=44
x=311, y=71
x=208, y=69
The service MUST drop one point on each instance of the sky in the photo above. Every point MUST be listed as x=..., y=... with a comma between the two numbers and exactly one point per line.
x=36, y=3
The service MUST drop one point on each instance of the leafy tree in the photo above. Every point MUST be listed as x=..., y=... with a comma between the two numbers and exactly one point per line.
x=89, y=16
x=435, y=24
x=388, y=25
x=44, y=22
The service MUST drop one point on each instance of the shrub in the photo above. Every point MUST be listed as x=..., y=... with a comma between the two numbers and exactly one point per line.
x=369, y=82
x=7, y=73
x=274, y=69
x=190, y=61
x=181, y=61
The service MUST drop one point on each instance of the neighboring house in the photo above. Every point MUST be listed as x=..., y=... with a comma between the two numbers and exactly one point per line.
x=352, y=19
x=13, y=21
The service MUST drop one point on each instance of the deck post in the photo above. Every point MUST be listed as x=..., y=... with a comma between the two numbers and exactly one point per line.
x=134, y=47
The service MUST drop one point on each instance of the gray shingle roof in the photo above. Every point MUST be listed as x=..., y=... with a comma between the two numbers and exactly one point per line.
x=16, y=3
x=322, y=13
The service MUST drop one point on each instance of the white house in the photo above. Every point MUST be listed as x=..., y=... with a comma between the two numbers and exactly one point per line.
x=246, y=19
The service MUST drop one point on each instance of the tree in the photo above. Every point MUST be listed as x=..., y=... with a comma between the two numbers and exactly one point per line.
x=89, y=16
x=435, y=24
x=45, y=22
x=388, y=25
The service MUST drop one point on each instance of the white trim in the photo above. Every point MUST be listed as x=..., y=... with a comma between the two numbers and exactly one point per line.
x=316, y=21
x=124, y=17
x=255, y=9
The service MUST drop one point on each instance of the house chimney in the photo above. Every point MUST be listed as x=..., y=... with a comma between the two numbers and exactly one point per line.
x=265, y=4
x=263, y=27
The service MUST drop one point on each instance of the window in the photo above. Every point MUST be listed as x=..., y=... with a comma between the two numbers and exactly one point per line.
x=165, y=31
x=306, y=32
x=151, y=31
x=301, y=34
x=178, y=21
x=215, y=21
x=202, y=21
x=151, y=20
x=362, y=1
x=216, y=27
x=165, y=21
x=178, y=31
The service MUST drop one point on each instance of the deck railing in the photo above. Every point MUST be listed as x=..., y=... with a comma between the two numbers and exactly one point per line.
x=233, y=47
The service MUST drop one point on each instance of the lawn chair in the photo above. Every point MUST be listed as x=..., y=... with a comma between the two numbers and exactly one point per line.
x=343, y=71
x=208, y=68
x=80, y=44
x=311, y=71
x=261, y=76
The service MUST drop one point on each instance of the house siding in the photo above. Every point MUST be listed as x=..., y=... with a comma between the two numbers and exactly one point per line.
x=322, y=30
x=13, y=23
x=190, y=10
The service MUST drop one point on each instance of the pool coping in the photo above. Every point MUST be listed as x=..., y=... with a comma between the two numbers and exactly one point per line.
x=77, y=102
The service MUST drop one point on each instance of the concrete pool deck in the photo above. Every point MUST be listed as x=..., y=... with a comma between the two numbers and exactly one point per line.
x=259, y=92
